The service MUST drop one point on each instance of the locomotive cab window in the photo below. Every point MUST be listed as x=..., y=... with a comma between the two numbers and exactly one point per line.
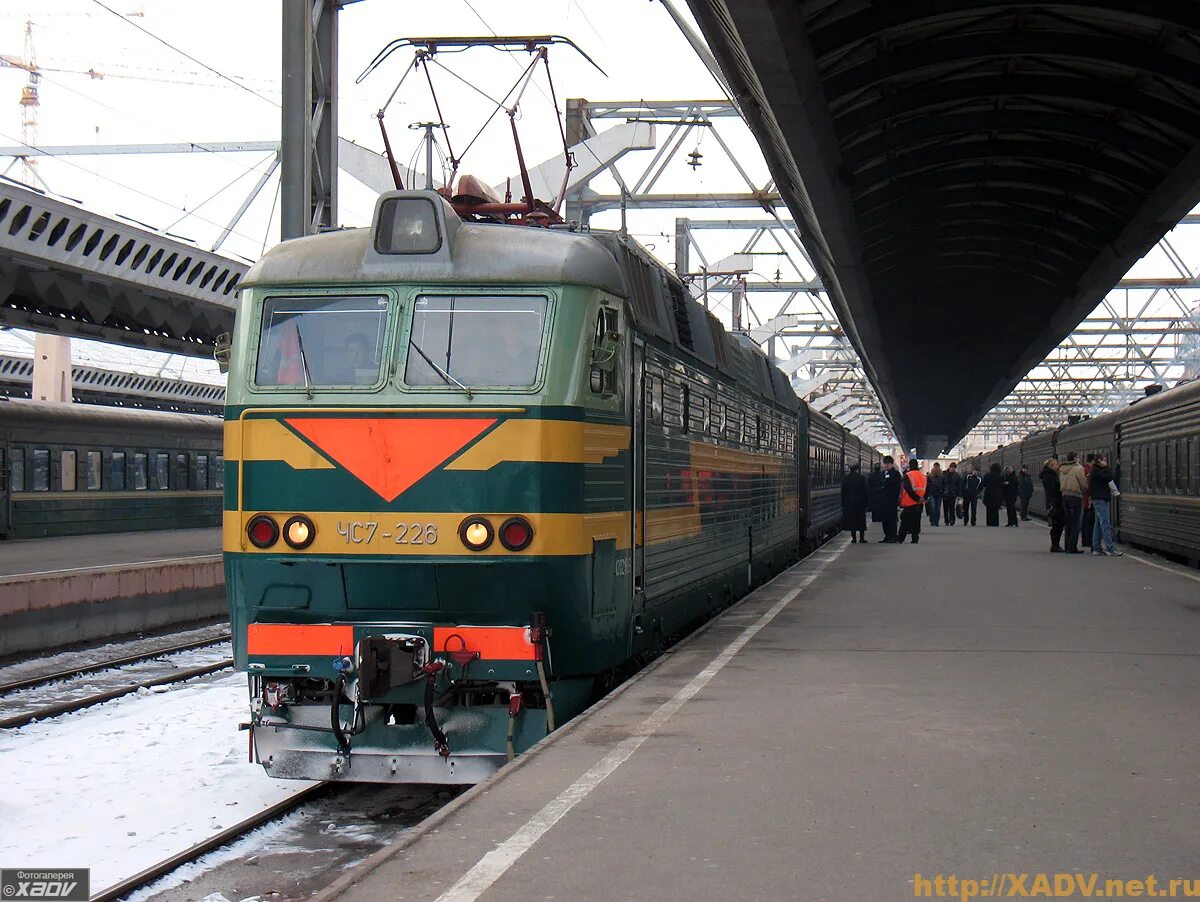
x=472, y=341
x=326, y=341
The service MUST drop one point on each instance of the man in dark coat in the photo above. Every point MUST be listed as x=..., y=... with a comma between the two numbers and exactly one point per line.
x=875, y=491
x=1011, y=491
x=935, y=488
x=1054, y=505
x=1025, y=489
x=972, y=486
x=854, y=505
x=889, y=500
x=993, y=494
x=953, y=490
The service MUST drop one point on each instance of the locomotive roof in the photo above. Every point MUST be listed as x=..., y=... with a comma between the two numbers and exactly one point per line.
x=478, y=252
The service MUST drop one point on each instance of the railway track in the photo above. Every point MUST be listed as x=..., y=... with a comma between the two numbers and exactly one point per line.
x=66, y=706
x=229, y=834
x=67, y=673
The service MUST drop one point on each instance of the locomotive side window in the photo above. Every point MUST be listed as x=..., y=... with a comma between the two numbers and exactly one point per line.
x=117, y=482
x=66, y=462
x=95, y=467
x=475, y=340
x=329, y=341
x=41, y=470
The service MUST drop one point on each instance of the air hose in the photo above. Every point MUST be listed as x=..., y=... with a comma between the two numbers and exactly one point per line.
x=440, y=743
x=541, y=671
x=335, y=717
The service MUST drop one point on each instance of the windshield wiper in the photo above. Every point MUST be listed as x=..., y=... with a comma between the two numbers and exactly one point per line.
x=446, y=377
x=304, y=363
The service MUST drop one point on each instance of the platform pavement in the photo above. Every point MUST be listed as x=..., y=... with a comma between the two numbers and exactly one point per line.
x=36, y=557
x=67, y=589
x=971, y=705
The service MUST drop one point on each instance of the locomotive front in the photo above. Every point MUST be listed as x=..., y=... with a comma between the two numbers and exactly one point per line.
x=427, y=521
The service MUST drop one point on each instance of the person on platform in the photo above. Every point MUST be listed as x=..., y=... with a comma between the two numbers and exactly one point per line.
x=1100, y=483
x=875, y=490
x=952, y=492
x=889, y=500
x=1073, y=484
x=972, y=486
x=934, y=492
x=1089, y=515
x=1012, y=488
x=1025, y=490
x=912, y=502
x=854, y=505
x=1054, y=506
x=993, y=494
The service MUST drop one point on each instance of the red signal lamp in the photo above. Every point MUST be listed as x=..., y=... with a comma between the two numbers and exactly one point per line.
x=516, y=533
x=262, y=531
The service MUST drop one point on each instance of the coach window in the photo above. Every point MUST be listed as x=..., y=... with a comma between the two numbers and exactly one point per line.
x=95, y=467
x=41, y=470
x=162, y=471
x=140, y=480
x=181, y=471
x=66, y=463
x=16, y=463
x=218, y=473
x=200, y=472
x=117, y=471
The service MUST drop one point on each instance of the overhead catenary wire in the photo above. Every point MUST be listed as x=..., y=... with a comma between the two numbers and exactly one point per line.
x=184, y=53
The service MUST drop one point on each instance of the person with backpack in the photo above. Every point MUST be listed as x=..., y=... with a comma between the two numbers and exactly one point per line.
x=912, y=502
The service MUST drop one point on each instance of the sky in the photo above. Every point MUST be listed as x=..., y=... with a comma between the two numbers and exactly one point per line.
x=210, y=72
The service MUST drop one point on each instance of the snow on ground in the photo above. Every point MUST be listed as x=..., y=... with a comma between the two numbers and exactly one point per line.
x=121, y=786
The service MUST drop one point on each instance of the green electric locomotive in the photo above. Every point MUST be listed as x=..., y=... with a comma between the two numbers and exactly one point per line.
x=473, y=471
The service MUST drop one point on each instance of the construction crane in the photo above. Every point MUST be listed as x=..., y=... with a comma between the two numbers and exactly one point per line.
x=29, y=102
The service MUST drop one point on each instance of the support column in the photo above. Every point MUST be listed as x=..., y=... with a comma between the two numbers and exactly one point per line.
x=577, y=130
x=682, y=237
x=52, y=379
x=309, y=132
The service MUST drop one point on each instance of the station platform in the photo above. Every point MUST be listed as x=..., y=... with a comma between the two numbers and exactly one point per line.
x=972, y=706
x=66, y=589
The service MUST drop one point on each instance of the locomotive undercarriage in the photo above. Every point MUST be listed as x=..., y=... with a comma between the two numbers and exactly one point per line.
x=398, y=714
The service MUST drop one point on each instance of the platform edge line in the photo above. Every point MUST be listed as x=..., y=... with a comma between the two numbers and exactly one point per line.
x=496, y=863
x=380, y=857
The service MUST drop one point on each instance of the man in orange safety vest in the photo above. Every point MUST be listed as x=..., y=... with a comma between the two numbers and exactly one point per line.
x=912, y=502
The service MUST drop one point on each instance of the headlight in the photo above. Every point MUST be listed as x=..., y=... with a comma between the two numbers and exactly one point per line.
x=299, y=532
x=262, y=531
x=476, y=533
x=516, y=534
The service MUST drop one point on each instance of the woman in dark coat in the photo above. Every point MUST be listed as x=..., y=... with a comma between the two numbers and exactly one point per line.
x=854, y=505
x=993, y=494
x=1012, y=487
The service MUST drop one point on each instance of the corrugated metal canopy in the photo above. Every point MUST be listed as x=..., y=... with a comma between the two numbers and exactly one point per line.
x=970, y=177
